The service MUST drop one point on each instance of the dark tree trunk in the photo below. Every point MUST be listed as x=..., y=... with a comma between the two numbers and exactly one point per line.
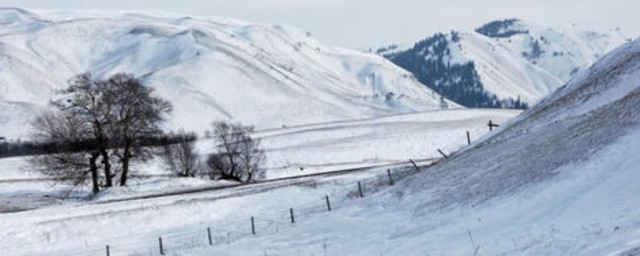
x=107, y=167
x=103, y=144
x=232, y=164
x=93, y=168
x=125, y=162
x=249, y=176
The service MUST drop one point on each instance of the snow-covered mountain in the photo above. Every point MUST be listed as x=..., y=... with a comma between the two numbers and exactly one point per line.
x=504, y=62
x=209, y=68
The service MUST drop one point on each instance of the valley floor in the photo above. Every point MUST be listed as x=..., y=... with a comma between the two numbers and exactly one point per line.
x=38, y=220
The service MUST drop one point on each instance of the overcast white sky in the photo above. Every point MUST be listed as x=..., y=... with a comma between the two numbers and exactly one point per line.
x=372, y=23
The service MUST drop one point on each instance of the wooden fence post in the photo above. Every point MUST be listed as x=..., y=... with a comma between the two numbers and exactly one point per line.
x=108, y=250
x=360, y=189
x=415, y=165
x=160, y=243
x=209, y=235
x=293, y=219
x=390, y=179
x=253, y=226
x=468, y=138
x=443, y=154
x=491, y=125
x=328, y=203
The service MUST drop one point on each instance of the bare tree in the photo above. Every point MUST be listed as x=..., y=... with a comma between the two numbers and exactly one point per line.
x=181, y=157
x=99, y=118
x=219, y=167
x=74, y=164
x=136, y=114
x=86, y=102
x=240, y=157
x=252, y=157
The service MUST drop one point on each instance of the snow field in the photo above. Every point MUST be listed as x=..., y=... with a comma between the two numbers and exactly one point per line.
x=352, y=148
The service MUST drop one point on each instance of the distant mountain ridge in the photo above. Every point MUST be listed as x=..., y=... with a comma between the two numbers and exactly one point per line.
x=209, y=68
x=503, y=64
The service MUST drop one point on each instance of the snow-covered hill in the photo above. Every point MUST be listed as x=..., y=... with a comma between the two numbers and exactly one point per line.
x=209, y=68
x=504, y=61
x=560, y=179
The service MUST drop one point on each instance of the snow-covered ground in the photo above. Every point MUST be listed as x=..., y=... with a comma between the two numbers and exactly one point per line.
x=372, y=142
x=268, y=76
x=317, y=148
x=560, y=179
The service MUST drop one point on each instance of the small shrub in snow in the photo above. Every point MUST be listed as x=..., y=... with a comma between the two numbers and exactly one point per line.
x=181, y=157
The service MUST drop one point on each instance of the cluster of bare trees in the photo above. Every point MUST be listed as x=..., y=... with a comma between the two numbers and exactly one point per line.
x=99, y=120
x=101, y=126
x=240, y=157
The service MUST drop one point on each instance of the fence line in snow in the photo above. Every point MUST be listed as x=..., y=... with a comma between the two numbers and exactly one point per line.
x=257, y=225
x=277, y=221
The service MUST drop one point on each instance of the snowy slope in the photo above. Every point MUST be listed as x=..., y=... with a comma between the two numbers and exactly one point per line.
x=535, y=63
x=372, y=142
x=511, y=59
x=210, y=68
x=561, y=179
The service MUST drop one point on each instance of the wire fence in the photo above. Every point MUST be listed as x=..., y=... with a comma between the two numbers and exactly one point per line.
x=226, y=232
x=281, y=220
x=247, y=227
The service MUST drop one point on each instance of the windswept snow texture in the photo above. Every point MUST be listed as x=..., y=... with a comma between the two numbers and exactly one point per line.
x=561, y=179
x=209, y=68
x=512, y=58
